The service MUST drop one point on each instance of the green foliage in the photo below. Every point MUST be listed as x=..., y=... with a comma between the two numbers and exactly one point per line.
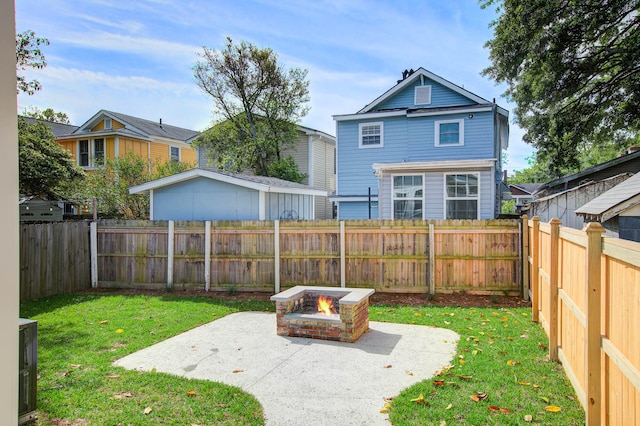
x=45, y=167
x=257, y=104
x=287, y=169
x=573, y=70
x=508, y=206
x=47, y=115
x=109, y=185
x=29, y=55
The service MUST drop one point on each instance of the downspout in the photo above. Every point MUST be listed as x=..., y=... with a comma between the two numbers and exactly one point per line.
x=151, y=204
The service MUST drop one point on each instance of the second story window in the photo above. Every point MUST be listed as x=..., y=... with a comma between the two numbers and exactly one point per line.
x=449, y=133
x=83, y=153
x=175, y=153
x=371, y=135
x=98, y=152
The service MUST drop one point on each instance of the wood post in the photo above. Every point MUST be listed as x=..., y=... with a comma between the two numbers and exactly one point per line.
x=593, y=333
x=93, y=242
x=207, y=255
x=432, y=260
x=535, y=270
x=170, y=244
x=276, y=254
x=525, y=257
x=553, y=288
x=343, y=261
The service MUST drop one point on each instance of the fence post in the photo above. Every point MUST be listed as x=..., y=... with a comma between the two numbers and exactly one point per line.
x=525, y=257
x=343, y=262
x=276, y=254
x=554, y=254
x=432, y=260
x=593, y=333
x=207, y=255
x=93, y=243
x=170, y=239
x=535, y=270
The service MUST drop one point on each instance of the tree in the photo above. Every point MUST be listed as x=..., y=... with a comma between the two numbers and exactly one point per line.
x=29, y=55
x=47, y=115
x=573, y=70
x=109, y=185
x=257, y=104
x=45, y=167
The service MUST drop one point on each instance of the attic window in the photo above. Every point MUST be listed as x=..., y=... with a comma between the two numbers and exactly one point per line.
x=422, y=95
x=107, y=124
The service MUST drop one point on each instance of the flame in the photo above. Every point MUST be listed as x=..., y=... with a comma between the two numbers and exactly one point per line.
x=325, y=305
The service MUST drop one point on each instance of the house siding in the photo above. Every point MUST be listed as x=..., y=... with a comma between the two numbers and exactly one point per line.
x=205, y=199
x=440, y=96
x=300, y=153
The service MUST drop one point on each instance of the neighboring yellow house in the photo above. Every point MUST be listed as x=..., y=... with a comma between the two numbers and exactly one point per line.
x=110, y=134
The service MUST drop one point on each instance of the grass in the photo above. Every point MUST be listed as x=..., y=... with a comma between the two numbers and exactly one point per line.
x=501, y=353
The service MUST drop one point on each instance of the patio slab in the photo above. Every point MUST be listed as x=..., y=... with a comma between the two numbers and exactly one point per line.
x=299, y=380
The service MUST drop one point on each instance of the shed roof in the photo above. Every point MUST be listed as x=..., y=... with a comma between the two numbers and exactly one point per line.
x=259, y=183
x=614, y=201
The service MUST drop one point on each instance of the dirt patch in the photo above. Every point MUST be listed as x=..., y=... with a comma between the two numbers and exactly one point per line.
x=452, y=299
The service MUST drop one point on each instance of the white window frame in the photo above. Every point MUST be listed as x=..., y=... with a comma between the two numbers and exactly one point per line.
x=476, y=197
x=366, y=146
x=394, y=198
x=171, y=148
x=427, y=89
x=108, y=124
x=460, y=132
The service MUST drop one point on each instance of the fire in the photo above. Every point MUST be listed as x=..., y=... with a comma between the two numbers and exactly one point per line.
x=325, y=305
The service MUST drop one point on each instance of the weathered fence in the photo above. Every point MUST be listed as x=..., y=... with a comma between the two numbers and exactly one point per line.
x=54, y=259
x=390, y=256
x=585, y=291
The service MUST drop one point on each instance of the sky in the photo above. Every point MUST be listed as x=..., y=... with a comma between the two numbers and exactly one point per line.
x=136, y=57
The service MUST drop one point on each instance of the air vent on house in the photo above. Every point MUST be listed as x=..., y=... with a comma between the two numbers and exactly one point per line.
x=422, y=95
x=107, y=124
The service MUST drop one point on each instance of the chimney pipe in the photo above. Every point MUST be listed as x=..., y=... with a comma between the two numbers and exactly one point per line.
x=161, y=123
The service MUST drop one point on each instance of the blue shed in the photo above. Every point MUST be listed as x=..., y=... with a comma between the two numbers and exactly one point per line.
x=205, y=194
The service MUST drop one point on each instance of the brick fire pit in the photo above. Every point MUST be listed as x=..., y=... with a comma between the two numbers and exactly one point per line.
x=297, y=313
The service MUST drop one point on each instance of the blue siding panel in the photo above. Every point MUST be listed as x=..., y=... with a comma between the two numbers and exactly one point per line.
x=440, y=96
x=205, y=199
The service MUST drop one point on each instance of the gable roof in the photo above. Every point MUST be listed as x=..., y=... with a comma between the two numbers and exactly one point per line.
x=135, y=126
x=421, y=73
x=528, y=188
x=614, y=201
x=58, y=129
x=259, y=183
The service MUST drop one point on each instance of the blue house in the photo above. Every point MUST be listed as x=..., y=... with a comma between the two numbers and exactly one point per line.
x=424, y=149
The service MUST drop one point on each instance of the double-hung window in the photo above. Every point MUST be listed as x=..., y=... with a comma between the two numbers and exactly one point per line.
x=98, y=152
x=174, y=153
x=407, y=197
x=462, y=196
x=449, y=132
x=83, y=153
x=371, y=135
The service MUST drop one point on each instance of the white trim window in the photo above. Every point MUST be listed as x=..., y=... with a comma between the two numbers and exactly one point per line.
x=83, y=153
x=462, y=196
x=422, y=95
x=371, y=135
x=408, y=196
x=174, y=153
x=449, y=133
x=98, y=152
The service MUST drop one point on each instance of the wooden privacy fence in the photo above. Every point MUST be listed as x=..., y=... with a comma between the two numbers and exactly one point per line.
x=390, y=256
x=54, y=259
x=585, y=291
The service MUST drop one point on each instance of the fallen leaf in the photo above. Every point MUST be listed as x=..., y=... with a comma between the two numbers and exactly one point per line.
x=388, y=366
x=153, y=369
x=191, y=393
x=438, y=383
x=103, y=322
x=409, y=373
x=122, y=395
x=443, y=423
x=476, y=398
x=505, y=410
x=147, y=410
x=113, y=376
x=119, y=331
x=384, y=411
x=418, y=399
x=448, y=407
x=542, y=346
x=493, y=408
x=75, y=365
x=553, y=408
x=464, y=377
x=462, y=361
x=528, y=418
x=387, y=405
x=571, y=398
x=237, y=371
x=524, y=383
x=545, y=399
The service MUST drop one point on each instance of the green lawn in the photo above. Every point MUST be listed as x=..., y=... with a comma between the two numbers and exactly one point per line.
x=502, y=360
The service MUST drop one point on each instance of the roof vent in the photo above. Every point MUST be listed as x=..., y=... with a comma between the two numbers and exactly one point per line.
x=161, y=123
